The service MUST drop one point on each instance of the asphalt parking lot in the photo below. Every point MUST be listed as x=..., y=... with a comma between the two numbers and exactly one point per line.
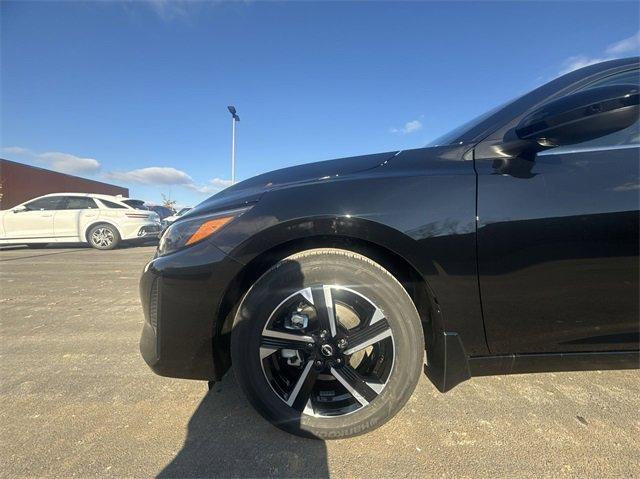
x=78, y=401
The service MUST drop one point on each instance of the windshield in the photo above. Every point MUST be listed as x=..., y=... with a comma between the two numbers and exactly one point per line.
x=500, y=116
x=137, y=204
x=182, y=211
x=460, y=133
x=162, y=211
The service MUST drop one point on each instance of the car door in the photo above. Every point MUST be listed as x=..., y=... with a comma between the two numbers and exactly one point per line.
x=558, y=245
x=35, y=220
x=69, y=222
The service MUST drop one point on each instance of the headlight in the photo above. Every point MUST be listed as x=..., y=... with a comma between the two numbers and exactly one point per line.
x=193, y=230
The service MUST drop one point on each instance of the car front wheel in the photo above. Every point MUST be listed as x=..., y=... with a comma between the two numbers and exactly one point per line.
x=327, y=344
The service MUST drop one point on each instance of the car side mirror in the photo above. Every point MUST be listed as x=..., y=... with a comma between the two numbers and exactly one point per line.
x=20, y=209
x=579, y=117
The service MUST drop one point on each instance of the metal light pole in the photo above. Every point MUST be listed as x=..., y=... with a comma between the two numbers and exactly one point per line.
x=234, y=119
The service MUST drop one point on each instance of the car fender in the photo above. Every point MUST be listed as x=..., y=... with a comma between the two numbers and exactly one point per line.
x=427, y=219
x=447, y=358
x=279, y=233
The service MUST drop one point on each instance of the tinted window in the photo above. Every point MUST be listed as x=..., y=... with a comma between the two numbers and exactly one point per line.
x=111, y=204
x=80, y=203
x=629, y=136
x=48, y=203
x=493, y=121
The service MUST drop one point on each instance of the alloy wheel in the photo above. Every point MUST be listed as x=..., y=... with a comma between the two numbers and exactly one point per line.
x=102, y=237
x=327, y=350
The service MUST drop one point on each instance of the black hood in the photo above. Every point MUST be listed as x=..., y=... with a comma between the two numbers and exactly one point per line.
x=251, y=189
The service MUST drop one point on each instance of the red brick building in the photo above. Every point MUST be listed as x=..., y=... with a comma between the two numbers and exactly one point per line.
x=19, y=183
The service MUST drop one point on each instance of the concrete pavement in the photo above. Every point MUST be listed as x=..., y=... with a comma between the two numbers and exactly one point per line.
x=77, y=400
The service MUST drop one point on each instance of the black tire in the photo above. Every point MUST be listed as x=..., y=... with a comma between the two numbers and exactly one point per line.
x=37, y=245
x=103, y=236
x=365, y=279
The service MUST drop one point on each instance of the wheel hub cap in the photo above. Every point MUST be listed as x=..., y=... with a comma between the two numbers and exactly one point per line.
x=326, y=350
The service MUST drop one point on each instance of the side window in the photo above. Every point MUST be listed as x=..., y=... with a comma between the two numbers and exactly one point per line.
x=46, y=204
x=630, y=136
x=80, y=203
x=137, y=204
x=111, y=204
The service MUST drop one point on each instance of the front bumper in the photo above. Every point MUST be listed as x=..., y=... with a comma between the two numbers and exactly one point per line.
x=181, y=296
x=133, y=229
x=150, y=231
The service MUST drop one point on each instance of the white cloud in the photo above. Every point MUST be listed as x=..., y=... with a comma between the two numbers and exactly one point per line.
x=55, y=160
x=220, y=183
x=619, y=49
x=165, y=175
x=628, y=45
x=580, y=61
x=203, y=189
x=409, y=127
x=16, y=150
x=153, y=175
x=69, y=163
x=213, y=186
x=168, y=9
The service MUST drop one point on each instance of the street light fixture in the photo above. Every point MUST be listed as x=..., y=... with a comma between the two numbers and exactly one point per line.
x=234, y=119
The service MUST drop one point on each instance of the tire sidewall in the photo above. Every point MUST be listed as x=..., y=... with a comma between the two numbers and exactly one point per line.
x=339, y=268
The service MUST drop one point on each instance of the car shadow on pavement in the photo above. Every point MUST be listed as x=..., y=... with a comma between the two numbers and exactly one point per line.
x=227, y=438
x=76, y=246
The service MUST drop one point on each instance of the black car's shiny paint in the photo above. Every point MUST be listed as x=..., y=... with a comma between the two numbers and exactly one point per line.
x=548, y=242
x=558, y=253
x=191, y=286
x=382, y=206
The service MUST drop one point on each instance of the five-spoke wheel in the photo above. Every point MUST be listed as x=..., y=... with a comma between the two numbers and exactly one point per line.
x=327, y=350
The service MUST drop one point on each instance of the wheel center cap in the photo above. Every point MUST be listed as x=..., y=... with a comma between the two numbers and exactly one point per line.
x=327, y=350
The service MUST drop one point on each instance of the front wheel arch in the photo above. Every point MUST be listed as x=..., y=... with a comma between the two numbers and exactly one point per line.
x=414, y=284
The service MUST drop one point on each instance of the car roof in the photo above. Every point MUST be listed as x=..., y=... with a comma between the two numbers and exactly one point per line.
x=91, y=195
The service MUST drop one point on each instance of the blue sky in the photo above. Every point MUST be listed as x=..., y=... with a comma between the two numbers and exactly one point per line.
x=135, y=92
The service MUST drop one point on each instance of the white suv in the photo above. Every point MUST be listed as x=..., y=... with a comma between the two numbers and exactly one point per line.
x=100, y=220
x=170, y=219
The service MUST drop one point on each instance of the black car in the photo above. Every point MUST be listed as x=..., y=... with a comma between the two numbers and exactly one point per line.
x=510, y=245
x=163, y=211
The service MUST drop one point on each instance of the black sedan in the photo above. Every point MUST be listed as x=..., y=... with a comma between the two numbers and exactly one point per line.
x=510, y=245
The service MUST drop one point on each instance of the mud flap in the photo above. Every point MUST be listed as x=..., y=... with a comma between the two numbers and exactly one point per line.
x=447, y=363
